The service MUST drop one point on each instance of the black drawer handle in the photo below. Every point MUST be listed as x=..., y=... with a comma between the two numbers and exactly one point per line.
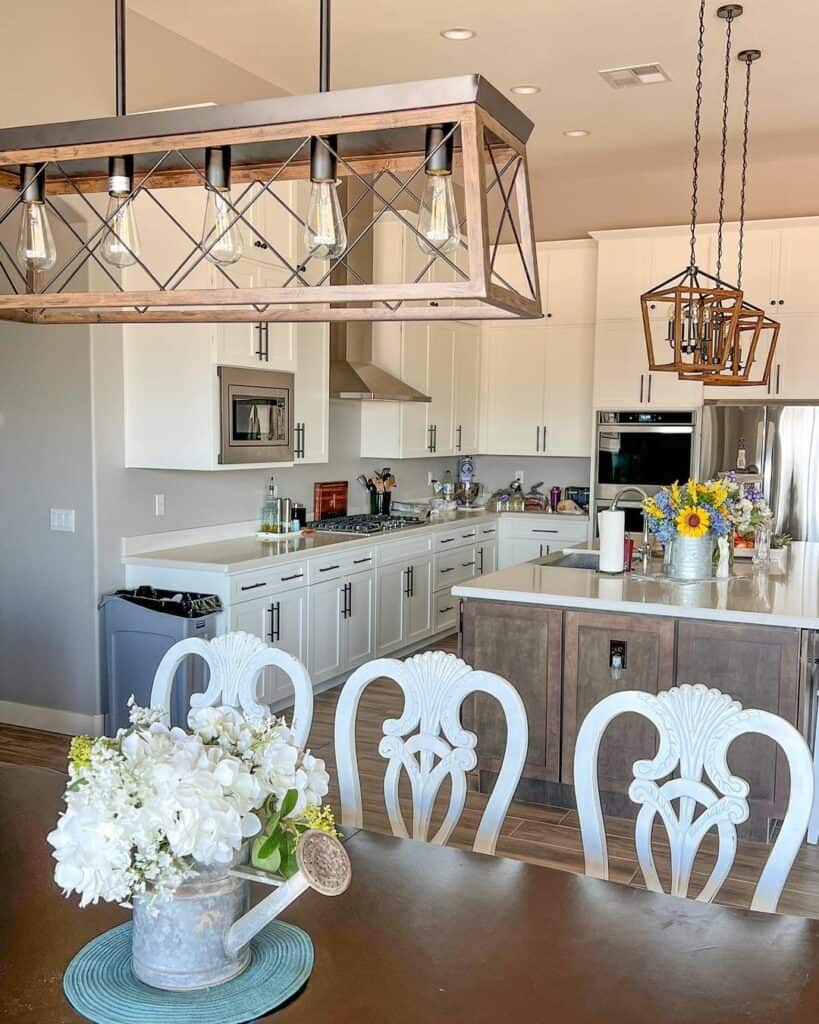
x=467, y=564
x=298, y=576
x=327, y=568
x=487, y=531
x=255, y=586
x=545, y=531
x=359, y=561
x=448, y=540
x=442, y=571
x=467, y=536
x=449, y=608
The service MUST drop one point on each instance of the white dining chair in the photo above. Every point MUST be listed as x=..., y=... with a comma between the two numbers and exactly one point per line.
x=236, y=660
x=696, y=726
x=435, y=685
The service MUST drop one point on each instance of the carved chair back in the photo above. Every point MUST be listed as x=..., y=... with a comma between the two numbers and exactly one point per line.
x=236, y=660
x=429, y=743
x=696, y=727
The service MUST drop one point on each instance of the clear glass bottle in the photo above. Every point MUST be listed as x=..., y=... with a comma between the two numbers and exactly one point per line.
x=269, y=519
x=762, y=545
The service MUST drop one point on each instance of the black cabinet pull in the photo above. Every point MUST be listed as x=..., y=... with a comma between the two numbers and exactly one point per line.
x=255, y=586
x=488, y=531
x=467, y=536
x=349, y=600
x=442, y=571
x=535, y=530
x=466, y=565
x=360, y=561
x=430, y=446
x=407, y=584
x=460, y=437
x=295, y=576
x=412, y=581
x=275, y=622
x=448, y=540
x=327, y=568
x=260, y=244
x=449, y=608
x=480, y=567
x=259, y=350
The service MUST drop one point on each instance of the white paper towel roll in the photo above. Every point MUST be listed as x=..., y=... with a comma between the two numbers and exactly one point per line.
x=612, y=527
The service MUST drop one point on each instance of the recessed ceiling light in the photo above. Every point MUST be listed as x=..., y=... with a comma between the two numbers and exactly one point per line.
x=458, y=33
x=526, y=90
x=576, y=133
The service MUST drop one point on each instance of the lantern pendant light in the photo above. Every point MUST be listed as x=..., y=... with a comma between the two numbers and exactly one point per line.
x=701, y=310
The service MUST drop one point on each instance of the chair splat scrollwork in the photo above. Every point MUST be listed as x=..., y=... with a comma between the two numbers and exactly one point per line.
x=434, y=686
x=696, y=727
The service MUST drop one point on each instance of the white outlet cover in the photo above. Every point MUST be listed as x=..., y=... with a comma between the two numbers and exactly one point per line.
x=159, y=504
x=62, y=520
x=519, y=474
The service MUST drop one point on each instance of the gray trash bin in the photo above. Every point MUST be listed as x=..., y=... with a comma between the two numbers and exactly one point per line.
x=139, y=626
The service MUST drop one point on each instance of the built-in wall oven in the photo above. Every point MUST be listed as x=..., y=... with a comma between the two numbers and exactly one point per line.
x=642, y=449
x=256, y=416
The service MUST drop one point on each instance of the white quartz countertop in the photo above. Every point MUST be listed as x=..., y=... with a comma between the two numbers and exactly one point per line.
x=237, y=554
x=781, y=596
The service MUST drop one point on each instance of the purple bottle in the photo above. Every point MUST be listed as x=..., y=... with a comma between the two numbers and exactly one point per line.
x=554, y=498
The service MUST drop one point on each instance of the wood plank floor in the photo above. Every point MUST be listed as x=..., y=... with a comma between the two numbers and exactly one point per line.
x=540, y=835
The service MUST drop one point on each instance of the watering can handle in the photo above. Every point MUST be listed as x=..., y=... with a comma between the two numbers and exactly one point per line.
x=243, y=930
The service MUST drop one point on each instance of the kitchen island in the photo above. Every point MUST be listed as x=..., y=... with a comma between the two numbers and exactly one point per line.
x=567, y=637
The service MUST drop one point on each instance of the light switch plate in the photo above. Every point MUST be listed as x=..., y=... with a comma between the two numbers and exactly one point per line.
x=63, y=520
x=159, y=504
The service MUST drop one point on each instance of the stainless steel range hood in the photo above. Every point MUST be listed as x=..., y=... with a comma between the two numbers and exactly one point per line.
x=353, y=375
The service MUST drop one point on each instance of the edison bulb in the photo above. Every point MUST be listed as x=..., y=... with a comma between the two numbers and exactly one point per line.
x=438, y=216
x=120, y=246
x=35, y=243
x=221, y=234
x=324, y=233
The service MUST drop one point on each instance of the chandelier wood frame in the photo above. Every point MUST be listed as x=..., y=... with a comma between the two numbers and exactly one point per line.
x=380, y=134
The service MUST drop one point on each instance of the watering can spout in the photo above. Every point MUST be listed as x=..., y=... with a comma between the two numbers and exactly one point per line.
x=251, y=923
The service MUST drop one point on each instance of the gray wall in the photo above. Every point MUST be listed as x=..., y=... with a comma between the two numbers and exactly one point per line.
x=48, y=591
x=496, y=471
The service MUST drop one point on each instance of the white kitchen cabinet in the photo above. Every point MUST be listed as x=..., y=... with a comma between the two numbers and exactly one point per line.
x=486, y=555
x=536, y=390
x=419, y=602
x=281, y=621
x=524, y=537
x=342, y=617
x=439, y=386
x=567, y=274
x=311, y=413
x=404, y=610
x=269, y=346
x=466, y=387
x=777, y=265
x=795, y=370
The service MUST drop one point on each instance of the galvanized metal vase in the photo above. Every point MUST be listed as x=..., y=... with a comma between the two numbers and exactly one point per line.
x=182, y=943
x=692, y=558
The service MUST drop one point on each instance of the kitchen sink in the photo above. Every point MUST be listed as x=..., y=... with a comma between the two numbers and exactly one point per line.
x=572, y=560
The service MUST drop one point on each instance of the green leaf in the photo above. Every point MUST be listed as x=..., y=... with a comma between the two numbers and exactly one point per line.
x=266, y=853
x=272, y=823
x=289, y=865
x=291, y=798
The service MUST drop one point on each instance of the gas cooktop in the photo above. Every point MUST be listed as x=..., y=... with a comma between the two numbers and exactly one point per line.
x=366, y=524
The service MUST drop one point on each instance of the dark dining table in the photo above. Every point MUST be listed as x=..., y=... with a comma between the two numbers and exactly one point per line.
x=427, y=934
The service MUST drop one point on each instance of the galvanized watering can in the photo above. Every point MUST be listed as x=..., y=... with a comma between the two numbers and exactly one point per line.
x=201, y=936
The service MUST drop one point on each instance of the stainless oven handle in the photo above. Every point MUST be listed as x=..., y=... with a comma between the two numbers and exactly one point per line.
x=646, y=428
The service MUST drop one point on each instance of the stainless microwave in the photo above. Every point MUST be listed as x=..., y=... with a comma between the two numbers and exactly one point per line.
x=256, y=416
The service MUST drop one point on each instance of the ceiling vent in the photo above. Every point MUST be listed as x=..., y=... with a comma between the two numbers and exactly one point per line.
x=640, y=74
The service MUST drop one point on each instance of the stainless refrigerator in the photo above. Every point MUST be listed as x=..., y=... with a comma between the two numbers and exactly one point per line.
x=782, y=452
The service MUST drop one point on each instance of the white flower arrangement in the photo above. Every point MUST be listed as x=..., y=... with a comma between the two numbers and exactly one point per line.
x=145, y=808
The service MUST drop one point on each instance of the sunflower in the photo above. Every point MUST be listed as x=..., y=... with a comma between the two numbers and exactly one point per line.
x=694, y=521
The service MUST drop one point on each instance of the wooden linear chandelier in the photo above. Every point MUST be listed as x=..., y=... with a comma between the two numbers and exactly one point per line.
x=393, y=140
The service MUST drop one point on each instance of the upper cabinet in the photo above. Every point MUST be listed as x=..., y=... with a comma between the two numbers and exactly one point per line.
x=567, y=272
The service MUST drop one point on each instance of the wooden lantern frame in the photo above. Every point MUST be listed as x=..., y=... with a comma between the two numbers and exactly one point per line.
x=754, y=330
x=721, y=301
x=380, y=131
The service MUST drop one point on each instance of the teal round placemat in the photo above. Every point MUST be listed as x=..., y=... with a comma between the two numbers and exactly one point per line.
x=100, y=985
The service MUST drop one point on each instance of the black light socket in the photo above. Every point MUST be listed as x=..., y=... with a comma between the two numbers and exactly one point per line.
x=32, y=182
x=439, y=160
x=120, y=175
x=323, y=164
x=217, y=168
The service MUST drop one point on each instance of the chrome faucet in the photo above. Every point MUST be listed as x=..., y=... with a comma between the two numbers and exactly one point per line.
x=644, y=550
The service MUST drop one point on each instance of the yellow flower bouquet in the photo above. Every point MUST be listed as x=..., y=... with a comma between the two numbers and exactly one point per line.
x=693, y=509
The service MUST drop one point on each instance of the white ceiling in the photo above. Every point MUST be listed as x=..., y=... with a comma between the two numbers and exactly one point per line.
x=559, y=45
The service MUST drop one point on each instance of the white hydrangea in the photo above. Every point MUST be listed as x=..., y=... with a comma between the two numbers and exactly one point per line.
x=144, y=808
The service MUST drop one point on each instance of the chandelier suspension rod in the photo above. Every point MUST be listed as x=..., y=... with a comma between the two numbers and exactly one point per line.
x=119, y=56
x=324, y=46
x=696, y=154
x=747, y=57
x=729, y=12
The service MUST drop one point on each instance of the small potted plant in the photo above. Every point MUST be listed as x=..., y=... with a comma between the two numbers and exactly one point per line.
x=688, y=519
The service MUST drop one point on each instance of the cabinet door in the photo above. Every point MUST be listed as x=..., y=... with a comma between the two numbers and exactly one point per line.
x=271, y=346
x=569, y=373
x=796, y=291
x=571, y=284
x=466, y=366
x=415, y=438
x=439, y=386
x=359, y=643
x=391, y=608
x=795, y=371
x=326, y=650
x=515, y=380
x=288, y=630
x=759, y=667
x=761, y=257
x=623, y=274
x=280, y=350
x=516, y=551
x=419, y=602
x=487, y=555
x=587, y=679
x=666, y=391
x=522, y=643
x=312, y=400
x=256, y=617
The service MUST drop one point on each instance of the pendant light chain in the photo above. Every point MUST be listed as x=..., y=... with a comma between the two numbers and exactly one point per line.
x=697, y=137
x=744, y=174
x=723, y=155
